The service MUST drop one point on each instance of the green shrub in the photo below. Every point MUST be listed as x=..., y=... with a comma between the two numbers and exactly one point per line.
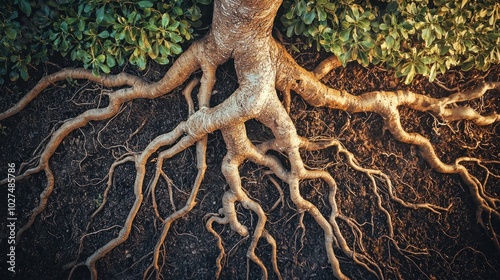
x=99, y=33
x=20, y=44
x=413, y=37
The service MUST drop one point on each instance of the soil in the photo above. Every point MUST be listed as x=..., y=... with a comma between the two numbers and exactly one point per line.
x=451, y=245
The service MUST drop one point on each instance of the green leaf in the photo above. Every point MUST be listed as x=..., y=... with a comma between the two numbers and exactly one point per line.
x=110, y=61
x=301, y=8
x=321, y=13
x=355, y=11
x=345, y=35
x=23, y=71
x=312, y=31
x=87, y=8
x=345, y=57
x=173, y=26
x=13, y=76
x=145, y=4
x=406, y=25
x=404, y=70
x=104, y=34
x=11, y=33
x=101, y=58
x=108, y=19
x=121, y=35
x=336, y=49
x=367, y=44
x=176, y=38
x=178, y=11
x=364, y=24
x=389, y=42
x=176, y=49
x=309, y=17
x=299, y=28
x=428, y=36
x=421, y=68
x=141, y=61
x=162, y=60
x=195, y=13
x=73, y=55
x=82, y=55
x=410, y=75
x=99, y=14
x=95, y=72
x=165, y=51
x=25, y=7
x=493, y=36
x=378, y=52
x=444, y=50
x=433, y=73
x=331, y=7
x=363, y=57
x=468, y=64
x=71, y=20
x=392, y=6
x=81, y=25
x=349, y=19
x=165, y=18
x=104, y=68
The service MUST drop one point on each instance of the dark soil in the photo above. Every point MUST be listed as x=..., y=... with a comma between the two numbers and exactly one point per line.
x=450, y=246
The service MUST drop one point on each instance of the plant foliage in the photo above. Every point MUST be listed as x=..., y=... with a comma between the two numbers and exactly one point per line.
x=99, y=33
x=414, y=37
x=411, y=36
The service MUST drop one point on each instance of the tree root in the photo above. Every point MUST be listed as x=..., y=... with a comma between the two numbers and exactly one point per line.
x=386, y=103
x=260, y=74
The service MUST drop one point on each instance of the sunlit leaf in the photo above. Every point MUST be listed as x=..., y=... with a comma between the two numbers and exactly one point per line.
x=145, y=4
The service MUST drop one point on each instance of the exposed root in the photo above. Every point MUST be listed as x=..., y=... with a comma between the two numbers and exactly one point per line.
x=130, y=158
x=386, y=104
x=262, y=67
x=280, y=191
x=326, y=66
x=44, y=197
x=207, y=84
x=140, y=89
x=140, y=164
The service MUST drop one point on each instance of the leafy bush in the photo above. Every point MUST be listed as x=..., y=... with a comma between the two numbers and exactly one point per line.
x=99, y=33
x=18, y=41
x=412, y=36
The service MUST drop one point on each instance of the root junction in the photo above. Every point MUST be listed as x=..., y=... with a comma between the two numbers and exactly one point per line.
x=263, y=68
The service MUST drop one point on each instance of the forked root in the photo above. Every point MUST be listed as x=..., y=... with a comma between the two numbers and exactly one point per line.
x=235, y=138
x=207, y=83
x=262, y=70
x=386, y=103
x=177, y=74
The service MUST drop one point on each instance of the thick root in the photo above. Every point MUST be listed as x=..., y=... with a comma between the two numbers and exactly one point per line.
x=385, y=103
x=180, y=71
x=262, y=67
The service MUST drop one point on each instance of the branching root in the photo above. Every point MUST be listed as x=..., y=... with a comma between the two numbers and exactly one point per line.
x=263, y=68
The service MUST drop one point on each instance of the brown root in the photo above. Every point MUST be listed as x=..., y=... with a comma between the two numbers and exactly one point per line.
x=262, y=67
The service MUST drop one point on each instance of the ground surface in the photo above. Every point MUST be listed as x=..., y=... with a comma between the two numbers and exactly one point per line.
x=452, y=245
